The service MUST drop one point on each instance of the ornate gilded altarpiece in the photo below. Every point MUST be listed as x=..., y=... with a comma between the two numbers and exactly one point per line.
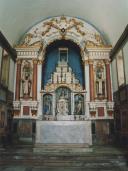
x=63, y=98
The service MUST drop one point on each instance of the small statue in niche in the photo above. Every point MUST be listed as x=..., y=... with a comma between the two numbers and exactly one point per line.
x=48, y=105
x=79, y=105
x=26, y=79
x=100, y=85
x=79, y=108
x=99, y=72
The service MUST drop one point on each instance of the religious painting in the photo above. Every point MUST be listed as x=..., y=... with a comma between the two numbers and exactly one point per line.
x=63, y=101
x=47, y=104
x=120, y=68
x=26, y=79
x=79, y=104
x=5, y=68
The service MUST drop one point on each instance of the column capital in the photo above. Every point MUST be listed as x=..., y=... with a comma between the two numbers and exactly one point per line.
x=86, y=62
x=40, y=61
x=90, y=61
x=19, y=61
x=35, y=61
x=107, y=61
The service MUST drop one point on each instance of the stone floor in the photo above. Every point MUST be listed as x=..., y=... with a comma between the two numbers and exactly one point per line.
x=25, y=168
x=102, y=158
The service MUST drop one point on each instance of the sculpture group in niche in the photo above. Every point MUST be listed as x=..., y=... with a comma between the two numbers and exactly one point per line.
x=63, y=101
x=26, y=79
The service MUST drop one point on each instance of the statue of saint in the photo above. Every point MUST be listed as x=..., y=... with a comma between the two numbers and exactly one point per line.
x=99, y=81
x=48, y=105
x=26, y=79
x=79, y=108
x=79, y=105
x=62, y=107
x=26, y=86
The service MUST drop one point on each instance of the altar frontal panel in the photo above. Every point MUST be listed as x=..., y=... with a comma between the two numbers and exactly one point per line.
x=64, y=132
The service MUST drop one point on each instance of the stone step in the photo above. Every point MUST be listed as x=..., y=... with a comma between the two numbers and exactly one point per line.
x=62, y=150
x=99, y=158
x=64, y=164
x=73, y=161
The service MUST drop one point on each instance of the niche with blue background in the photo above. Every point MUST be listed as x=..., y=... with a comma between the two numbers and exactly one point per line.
x=52, y=58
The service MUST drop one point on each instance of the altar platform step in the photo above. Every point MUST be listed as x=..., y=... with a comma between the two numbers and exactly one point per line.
x=100, y=159
x=76, y=149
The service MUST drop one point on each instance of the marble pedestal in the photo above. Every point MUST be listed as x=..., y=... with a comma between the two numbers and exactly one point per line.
x=77, y=133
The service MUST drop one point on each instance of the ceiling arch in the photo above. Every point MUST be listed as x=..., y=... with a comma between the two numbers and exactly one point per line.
x=110, y=17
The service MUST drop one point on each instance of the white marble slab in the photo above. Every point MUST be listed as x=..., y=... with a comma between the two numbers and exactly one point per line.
x=63, y=132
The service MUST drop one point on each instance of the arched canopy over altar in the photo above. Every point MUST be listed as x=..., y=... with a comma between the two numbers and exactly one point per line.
x=63, y=49
x=63, y=28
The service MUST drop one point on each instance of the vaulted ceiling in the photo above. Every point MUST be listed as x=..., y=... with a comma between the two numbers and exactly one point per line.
x=110, y=17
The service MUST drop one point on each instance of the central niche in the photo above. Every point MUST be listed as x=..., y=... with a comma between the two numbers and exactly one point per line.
x=63, y=91
x=63, y=101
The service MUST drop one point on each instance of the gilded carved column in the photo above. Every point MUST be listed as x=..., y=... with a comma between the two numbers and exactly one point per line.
x=34, y=85
x=87, y=87
x=91, y=74
x=108, y=81
x=18, y=78
x=39, y=83
x=84, y=66
x=39, y=78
